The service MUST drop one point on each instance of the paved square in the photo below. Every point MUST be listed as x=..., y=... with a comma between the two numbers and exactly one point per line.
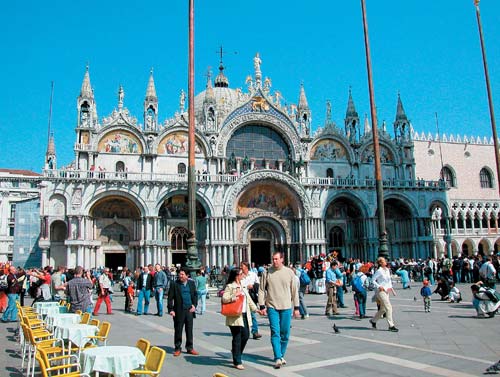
x=446, y=342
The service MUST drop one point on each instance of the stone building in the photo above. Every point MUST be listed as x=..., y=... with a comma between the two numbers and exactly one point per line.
x=15, y=186
x=265, y=182
x=467, y=165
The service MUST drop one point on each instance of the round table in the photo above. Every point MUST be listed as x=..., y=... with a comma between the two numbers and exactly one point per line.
x=117, y=360
x=76, y=333
x=60, y=319
x=44, y=307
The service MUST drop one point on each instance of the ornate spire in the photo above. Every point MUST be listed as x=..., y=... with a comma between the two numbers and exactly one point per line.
x=351, y=109
x=86, y=90
x=151, y=90
x=221, y=80
x=209, y=92
x=303, y=105
x=258, y=74
x=368, y=128
x=50, y=155
x=400, y=112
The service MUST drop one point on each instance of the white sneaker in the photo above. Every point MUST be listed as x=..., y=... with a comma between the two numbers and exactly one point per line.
x=277, y=364
x=283, y=361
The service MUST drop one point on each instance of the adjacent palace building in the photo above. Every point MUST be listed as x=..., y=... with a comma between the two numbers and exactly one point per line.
x=265, y=182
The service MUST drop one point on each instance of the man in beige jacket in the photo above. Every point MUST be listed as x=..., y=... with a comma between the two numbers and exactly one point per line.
x=277, y=294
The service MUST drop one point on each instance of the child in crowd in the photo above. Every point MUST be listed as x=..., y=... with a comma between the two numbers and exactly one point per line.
x=455, y=295
x=129, y=297
x=426, y=293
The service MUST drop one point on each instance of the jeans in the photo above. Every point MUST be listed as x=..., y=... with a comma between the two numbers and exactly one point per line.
x=10, y=314
x=202, y=301
x=144, y=295
x=159, y=300
x=255, y=325
x=361, y=298
x=279, y=322
x=302, y=304
x=340, y=296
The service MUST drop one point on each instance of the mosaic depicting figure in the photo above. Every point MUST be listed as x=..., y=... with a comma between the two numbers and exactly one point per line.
x=385, y=155
x=119, y=142
x=267, y=198
x=177, y=143
x=328, y=150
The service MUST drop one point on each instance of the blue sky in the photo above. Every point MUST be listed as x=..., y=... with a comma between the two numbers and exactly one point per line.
x=428, y=51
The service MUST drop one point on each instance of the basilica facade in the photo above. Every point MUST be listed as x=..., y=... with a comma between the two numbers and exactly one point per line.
x=264, y=182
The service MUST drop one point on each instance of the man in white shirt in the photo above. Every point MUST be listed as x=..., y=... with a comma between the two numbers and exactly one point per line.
x=383, y=285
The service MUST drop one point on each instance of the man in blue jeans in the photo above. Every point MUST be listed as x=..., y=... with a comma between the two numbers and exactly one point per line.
x=13, y=289
x=144, y=286
x=277, y=292
x=159, y=283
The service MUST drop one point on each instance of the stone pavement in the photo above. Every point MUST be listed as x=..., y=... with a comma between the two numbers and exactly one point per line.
x=446, y=342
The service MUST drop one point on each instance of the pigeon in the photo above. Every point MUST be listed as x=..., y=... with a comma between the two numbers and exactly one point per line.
x=336, y=329
x=414, y=298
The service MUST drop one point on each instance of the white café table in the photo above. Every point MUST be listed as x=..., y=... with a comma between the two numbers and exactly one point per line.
x=60, y=319
x=117, y=360
x=75, y=333
x=44, y=307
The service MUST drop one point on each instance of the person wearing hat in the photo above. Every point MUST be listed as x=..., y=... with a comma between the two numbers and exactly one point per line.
x=426, y=293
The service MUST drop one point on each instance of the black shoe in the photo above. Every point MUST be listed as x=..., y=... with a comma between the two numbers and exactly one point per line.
x=257, y=336
x=374, y=324
x=393, y=329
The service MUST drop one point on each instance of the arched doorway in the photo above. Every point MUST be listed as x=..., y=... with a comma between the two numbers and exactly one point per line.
x=58, y=234
x=400, y=229
x=114, y=218
x=345, y=228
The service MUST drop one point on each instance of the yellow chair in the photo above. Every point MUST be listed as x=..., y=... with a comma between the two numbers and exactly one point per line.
x=34, y=345
x=154, y=362
x=68, y=306
x=78, y=312
x=144, y=345
x=85, y=318
x=46, y=370
x=95, y=340
x=94, y=322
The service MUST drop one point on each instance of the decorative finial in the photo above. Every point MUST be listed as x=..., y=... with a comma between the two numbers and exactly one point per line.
x=328, y=112
x=182, y=101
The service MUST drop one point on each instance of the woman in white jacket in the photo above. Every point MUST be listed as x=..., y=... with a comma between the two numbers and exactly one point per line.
x=240, y=324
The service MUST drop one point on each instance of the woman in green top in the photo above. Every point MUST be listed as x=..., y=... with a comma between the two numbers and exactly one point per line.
x=201, y=290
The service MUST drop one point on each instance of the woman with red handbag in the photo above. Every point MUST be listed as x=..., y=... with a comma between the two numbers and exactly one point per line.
x=235, y=297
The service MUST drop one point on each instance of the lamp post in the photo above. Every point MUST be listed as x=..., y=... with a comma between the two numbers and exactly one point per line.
x=488, y=88
x=192, y=261
x=383, y=250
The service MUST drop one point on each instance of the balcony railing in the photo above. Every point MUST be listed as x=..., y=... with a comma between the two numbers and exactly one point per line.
x=67, y=174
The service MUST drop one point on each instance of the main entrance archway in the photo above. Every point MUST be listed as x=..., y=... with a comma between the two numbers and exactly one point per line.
x=264, y=236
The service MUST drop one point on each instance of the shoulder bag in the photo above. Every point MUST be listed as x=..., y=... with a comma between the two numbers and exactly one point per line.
x=234, y=308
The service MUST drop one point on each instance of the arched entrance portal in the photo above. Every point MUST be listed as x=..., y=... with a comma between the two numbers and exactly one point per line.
x=264, y=238
x=114, y=218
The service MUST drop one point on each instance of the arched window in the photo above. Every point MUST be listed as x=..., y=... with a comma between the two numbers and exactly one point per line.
x=181, y=168
x=336, y=237
x=485, y=178
x=120, y=166
x=329, y=173
x=448, y=177
x=178, y=240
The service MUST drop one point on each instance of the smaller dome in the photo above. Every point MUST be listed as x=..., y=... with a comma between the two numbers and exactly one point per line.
x=221, y=80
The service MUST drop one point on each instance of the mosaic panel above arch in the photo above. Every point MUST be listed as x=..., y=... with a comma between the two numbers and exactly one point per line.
x=120, y=142
x=269, y=197
x=176, y=143
x=328, y=150
x=386, y=155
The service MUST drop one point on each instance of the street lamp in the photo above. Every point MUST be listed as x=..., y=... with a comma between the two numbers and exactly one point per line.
x=383, y=250
x=488, y=88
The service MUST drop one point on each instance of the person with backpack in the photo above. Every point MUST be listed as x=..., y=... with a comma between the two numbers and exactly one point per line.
x=304, y=280
x=485, y=300
x=359, y=284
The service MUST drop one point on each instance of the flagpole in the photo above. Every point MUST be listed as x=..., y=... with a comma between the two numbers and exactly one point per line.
x=488, y=89
x=383, y=250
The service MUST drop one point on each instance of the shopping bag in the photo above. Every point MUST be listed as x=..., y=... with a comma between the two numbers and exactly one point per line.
x=234, y=308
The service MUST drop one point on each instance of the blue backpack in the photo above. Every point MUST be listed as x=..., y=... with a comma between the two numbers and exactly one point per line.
x=304, y=278
x=357, y=285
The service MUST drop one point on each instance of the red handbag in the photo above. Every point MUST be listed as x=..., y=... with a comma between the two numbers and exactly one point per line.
x=234, y=308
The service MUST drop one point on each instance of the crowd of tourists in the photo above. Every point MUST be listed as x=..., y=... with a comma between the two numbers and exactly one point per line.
x=275, y=291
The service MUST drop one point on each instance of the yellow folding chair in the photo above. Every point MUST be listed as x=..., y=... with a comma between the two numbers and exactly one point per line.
x=154, y=363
